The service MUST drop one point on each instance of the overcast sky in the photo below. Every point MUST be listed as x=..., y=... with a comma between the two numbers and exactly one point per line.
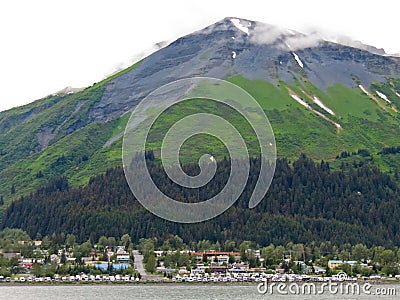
x=47, y=45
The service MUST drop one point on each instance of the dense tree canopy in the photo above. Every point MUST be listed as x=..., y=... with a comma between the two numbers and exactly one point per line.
x=306, y=202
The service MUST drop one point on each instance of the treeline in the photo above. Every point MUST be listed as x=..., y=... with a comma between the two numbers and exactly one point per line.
x=390, y=150
x=361, y=152
x=307, y=202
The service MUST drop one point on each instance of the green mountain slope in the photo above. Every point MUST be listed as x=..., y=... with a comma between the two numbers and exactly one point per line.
x=318, y=108
x=93, y=148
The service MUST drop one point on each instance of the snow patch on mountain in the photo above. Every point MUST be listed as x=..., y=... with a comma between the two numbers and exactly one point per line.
x=363, y=89
x=306, y=105
x=68, y=90
x=299, y=100
x=322, y=105
x=383, y=96
x=296, y=57
x=239, y=26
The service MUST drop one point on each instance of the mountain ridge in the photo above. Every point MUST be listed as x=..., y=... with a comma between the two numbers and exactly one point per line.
x=262, y=61
x=340, y=40
x=79, y=134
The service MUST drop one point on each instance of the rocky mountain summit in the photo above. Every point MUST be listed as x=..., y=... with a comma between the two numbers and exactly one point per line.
x=253, y=49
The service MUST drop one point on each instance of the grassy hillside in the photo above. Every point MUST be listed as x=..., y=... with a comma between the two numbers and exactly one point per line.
x=53, y=136
x=364, y=124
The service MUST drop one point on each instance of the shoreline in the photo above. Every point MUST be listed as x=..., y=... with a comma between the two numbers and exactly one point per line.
x=166, y=283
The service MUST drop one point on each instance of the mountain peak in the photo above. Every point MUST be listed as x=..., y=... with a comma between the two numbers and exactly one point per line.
x=263, y=33
x=69, y=90
x=244, y=30
x=252, y=49
x=240, y=24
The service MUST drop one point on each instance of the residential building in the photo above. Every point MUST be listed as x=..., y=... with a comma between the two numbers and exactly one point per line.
x=217, y=256
x=336, y=263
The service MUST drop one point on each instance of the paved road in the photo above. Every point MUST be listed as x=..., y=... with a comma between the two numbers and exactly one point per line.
x=139, y=266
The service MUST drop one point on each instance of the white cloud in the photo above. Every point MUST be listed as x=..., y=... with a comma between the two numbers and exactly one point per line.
x=301, y=41
x=267, y=34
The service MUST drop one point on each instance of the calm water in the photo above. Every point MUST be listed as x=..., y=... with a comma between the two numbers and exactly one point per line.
x=158, y=291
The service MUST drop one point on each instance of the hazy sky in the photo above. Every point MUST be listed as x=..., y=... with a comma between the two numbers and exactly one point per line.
x=48, y=45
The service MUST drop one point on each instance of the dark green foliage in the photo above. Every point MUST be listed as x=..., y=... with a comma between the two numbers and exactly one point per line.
x=390, y=150
x=57, y=136
x=150, y=262
x=363, y=152
x=306, y=202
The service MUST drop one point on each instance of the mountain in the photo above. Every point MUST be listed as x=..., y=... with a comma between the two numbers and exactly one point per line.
x=322, y=99
x=260, y=51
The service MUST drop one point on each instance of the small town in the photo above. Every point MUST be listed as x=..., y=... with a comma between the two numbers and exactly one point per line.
x=112, y=260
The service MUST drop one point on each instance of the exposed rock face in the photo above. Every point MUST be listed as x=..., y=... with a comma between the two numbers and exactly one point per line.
x=261, y=52
x=44, y=137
